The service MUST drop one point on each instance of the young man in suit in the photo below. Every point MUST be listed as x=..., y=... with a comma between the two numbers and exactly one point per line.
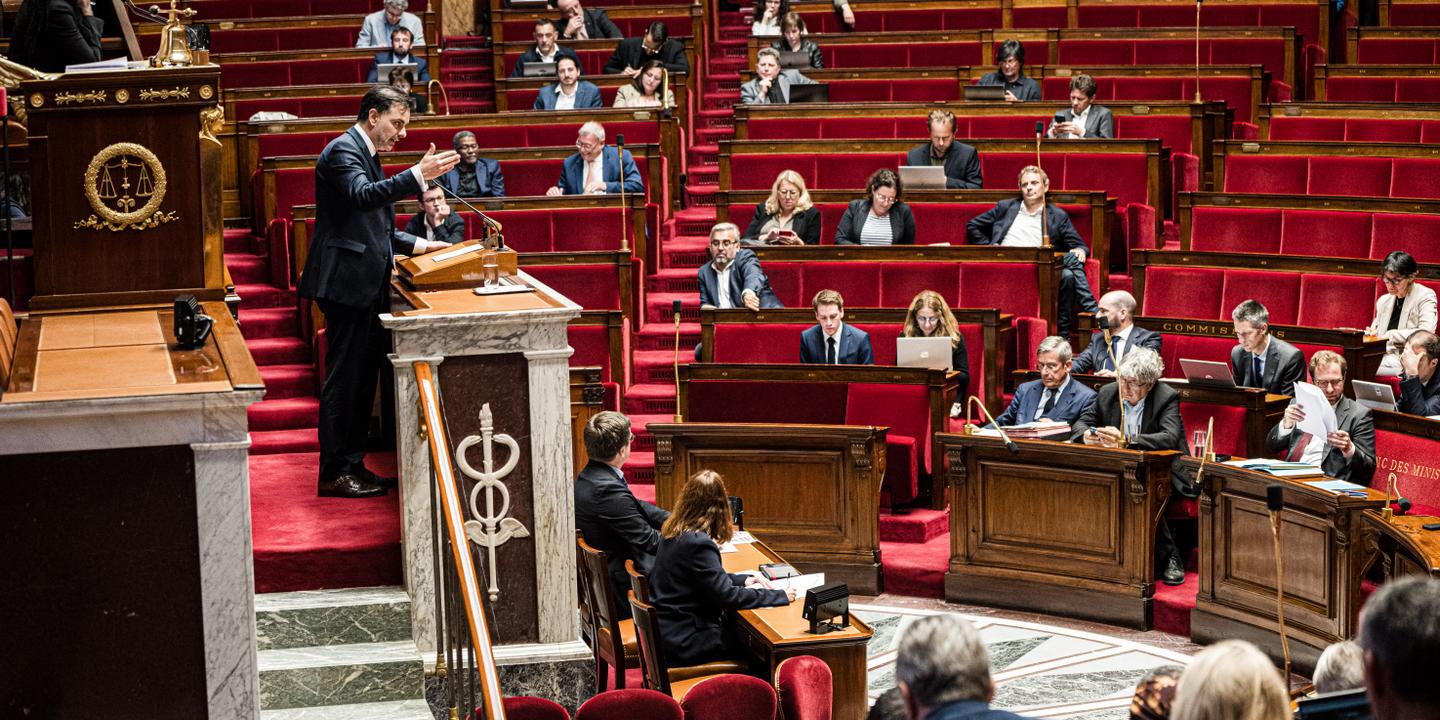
x=545, y=50
x=1419, y=383
x=1117, y=308
x=475, y=176
x=1016, y=222
x=1348, y=453
x=569, y=92
x=1262, y=360
x=1055, y=396
x=656, y=43
x=400, y=43
x=346, y=274
x=607, y=513
x=733, y=278
x=771, y=85
x=962, y=164
x=577, y=23
x=831, y=341
x=435, y=221
x=1084, y=119
x=597, y=169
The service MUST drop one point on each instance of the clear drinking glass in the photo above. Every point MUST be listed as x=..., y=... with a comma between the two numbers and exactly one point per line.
x=1197, y=443
x=490, y=268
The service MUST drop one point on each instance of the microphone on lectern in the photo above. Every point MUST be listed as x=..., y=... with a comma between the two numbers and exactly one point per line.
x=1275, y=502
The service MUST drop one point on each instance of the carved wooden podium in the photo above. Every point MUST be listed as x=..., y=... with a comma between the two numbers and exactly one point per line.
x=126, y=187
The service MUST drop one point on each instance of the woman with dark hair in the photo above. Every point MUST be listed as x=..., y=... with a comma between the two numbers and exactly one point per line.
x=1010, y=73
x=50, y=34
x=930, y=316
x=645, y=88
x=690, y=588
x=767, y=17
x=881, y=218
x=1406, y=306
x=792, y=39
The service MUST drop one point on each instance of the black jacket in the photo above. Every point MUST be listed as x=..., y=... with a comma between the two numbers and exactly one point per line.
x=1160, y=429
x=1350, y=417
x=991, y=227
x=691, y=591
x=50, y=35
x=902, y=223
x=805, y=223
x=451, y=230
x=745, y=274
x=597, y=25
x=1417, y=398
x=962, y=165
x=1097, y=357
x=1024, y=88
x=533, y=56
x=630, y=53
x=612, y=519
x=1284, y=364
x=817, y=60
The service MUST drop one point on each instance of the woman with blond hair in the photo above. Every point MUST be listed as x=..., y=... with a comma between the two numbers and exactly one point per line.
x=787, y=217
x=930, y=316
x=689, y=587
x=1231, y=680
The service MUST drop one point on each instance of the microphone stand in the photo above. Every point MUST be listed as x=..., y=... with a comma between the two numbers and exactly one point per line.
x=970, y=429
x=492, y=227
x=675, y=308
x=1391, y=489
x=625, y=216
x=1110, y=350
x=1197, y=51
x=1275, y=500
x=5, y=193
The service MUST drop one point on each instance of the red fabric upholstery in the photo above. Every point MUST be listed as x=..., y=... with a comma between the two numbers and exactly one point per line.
x=1183, y=292
x=1412, y=459
x=1419, y=14
x=1040, y=17
x=1229, y=425
x=905, y=409
x=1417, y=177
x=903, y=281
x=730, y=697
x=630, y=704
x=758, y=343
x=592, y=347
x=497, y=136
x=1412, y=233
x=786, y=280
x=524, y=707
x=1278, y=292
x=1008, y=286
x=1266, y=174
x=277, y=237
x=1193, y=347
x=1396, y=51
x=932, y=54
x=1368, y=177
x=1307, y=128
x=805, y=685
x=1331, y=234
x=1335, y=301
x=783, y=402
x=678, y=25
x=593, y=287
x=1220, y=229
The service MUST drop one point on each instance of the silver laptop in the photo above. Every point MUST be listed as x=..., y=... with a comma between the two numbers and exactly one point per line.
x=926, y=352
x=537, y=69
x=1376, y=396
x=382, y=72
x=1206, y=372
x=984, y=92
x=922, y=177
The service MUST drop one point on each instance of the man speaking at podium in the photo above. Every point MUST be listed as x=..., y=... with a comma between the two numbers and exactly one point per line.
x=346, y=274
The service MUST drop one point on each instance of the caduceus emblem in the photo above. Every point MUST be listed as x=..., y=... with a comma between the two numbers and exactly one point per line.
x=490, y=528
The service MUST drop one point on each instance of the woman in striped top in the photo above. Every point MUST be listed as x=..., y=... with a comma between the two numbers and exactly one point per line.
x=881, y=218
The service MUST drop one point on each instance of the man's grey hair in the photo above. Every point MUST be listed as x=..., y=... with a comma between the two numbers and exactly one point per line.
x=593, y=129
x=460, y=137
x=1141, y=365
x=941, y=660
x=1056, y=344
x=767, y=52
x=725, y=227
x=1251, y=311
x=401, y=5
x=1400, y=628
x=1340, y=667
x=1121, y=298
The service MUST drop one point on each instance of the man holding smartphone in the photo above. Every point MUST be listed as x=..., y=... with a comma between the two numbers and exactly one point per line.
x=1084, y=120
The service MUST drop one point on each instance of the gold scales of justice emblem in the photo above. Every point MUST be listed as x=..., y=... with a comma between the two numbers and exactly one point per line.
x=125, y=184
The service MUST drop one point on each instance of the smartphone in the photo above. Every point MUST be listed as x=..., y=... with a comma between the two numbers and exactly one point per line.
x=1431, y=526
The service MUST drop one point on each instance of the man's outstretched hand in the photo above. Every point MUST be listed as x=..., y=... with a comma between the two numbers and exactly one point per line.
x=435, y=164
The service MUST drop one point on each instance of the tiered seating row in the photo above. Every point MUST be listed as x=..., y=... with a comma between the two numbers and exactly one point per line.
x=1307, y=225
x=1347, y=169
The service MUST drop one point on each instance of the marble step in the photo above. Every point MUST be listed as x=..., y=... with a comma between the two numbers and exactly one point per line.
x=331, y=617
x=340, y=674
x=393, y=710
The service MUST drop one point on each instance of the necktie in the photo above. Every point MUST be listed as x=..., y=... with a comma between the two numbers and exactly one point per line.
x=1049, y=403
x=1258, y=376
x=1297, y=450
x=830, y=351
x=1114, y=351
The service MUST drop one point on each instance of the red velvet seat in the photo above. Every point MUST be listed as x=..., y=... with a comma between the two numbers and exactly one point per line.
x=804, y=683
x=524, y=707
x=905, y=409
x=1368, y=177
x=593, y=287
x=1267, y=174
x=816, y=403
x=1229, y=425
x=1326, y=233
x=1397, y=51
x=1183, y=292
x=630, y=704
x=759, y=343
x=1222, y=229
x=1412, y=233
x=1336, y=301
x=730, y=697
x=1278, y=292
x=1193, y=347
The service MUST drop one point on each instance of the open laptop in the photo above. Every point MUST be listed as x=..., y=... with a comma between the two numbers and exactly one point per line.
x=984, y=92
x=816, y=93
x=922, y=177
x=382, y=72
x=794, y=60
x=926, y=352
x=537, y=69
x=1376, y=396
x=1206, y=372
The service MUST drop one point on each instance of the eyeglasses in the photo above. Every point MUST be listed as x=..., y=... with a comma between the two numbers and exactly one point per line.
x=927, y=319
x=1393, y=281
x=789, y=193
x=886, y=199
x=1330, y=383
x=587, y=147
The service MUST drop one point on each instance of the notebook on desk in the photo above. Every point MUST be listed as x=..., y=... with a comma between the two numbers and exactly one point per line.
x=984, y=92
x=922, y=177
x=926, y=352
x=537, y=69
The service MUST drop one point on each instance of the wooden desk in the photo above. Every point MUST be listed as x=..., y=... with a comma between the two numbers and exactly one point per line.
x=1404, y=547
x=1056, y=528
x=1322, y=539
x=775, y=634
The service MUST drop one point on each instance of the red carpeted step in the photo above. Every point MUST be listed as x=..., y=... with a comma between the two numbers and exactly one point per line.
x=279, y=351
x=662, y=337
x=293, y=413
x=270, y=323
x=917, y=526
x=239, y=242
x=247, y=269
x=722, y=117
x=658, y=307
x=721, y=100
x=916, y=569
x=703, y=195
x=676, y=280
x=705, y=137
x=262, y=295
x=277, y=442
x=702, y=174
x=1173, y=604
x=304, y=542
x=650, y=399
x=288, y=381
x=640, y=470
x=687, y=257
x=639, y=424
x=658, y=367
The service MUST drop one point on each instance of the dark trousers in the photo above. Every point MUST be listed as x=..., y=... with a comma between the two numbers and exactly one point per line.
x=356, y=344
x=1075, y=296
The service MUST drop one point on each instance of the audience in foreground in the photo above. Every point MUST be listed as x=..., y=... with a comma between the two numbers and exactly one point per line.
x=1155, y=694
x=1400, y=633
x=929, y=316
x=1405, y=307
x=1117, y=308
x=1084, y=119
x=771, y=85
x=787, y=217
x=569, y=92
x=961, y=163
x=831, y=340
x=1341, y=667
x=597, y=169
x=1419, y=383
x=1262, y=360
x=1231, y=680
x=1348, y=453
x=943, y=671
x=880, y=218
x=1055, y=396
x=1010, y=73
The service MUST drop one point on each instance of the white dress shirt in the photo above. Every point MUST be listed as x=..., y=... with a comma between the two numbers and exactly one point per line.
x=1025, y=231
x=722, y=287
x=1045, y=397
x=563, y=101
x=839, y=342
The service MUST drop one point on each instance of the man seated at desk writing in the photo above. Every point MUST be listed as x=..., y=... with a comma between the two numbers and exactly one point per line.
x=1055, y=396
x=1348, y=452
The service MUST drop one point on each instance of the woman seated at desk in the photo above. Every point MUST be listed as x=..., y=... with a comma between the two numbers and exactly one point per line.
x=787, y=217
x=929, y=316
x=792, y=39
x=690, y=588
x=646, y=88
x=882, y=218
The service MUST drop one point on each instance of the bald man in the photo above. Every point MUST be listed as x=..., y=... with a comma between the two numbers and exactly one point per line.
x=1117, y=308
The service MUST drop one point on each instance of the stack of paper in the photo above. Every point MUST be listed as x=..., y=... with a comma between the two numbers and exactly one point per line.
x=1278, y=468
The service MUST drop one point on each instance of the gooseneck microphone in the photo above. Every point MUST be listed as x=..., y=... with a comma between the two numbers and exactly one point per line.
x=491, y=225
x=624, y=216
x=975, y=401
x=1044, y=221
x=1275, y=502
x=675, y=310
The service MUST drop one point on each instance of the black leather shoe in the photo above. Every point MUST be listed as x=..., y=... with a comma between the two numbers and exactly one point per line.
x=349, y=486
x=378, y=480
x=1174, y=573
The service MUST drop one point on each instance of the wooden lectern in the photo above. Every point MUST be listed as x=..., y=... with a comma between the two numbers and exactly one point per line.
x=126, y=187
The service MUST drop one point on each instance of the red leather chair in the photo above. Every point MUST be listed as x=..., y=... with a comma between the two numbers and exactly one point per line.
x=804, y=684
x=524, y=707
x=730, y=697
x=631, y=704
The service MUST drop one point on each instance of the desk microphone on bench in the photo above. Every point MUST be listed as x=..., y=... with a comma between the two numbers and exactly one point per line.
x=624, y=216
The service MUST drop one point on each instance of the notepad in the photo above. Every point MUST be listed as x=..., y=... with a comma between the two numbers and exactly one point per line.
x=1337, y=486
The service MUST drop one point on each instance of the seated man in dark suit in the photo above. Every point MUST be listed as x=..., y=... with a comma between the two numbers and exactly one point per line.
x=1139, y=412
x=607, y=513
x=1117, y=308
x=399, y=52
x=733, y=278
x=831, y=341
x=632, y=53
x=1419, y=383
x=597, y=169
x=1084, y=119
x=436, y=221
x=1055, y=396
x=569, y=92
x=577, y=23
x=962, y=165
x=475, y=176
x=1262, y=360
x=546, y=50
x=1348, y=453
x=1016, y=223
x=1010, y=73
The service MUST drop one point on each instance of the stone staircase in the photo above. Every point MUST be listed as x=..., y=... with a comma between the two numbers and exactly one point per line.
x=349, y=654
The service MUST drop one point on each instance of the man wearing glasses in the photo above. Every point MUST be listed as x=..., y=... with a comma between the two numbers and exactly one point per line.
x=1262, y=360
x=597, y=169
x=1347, y=453
x=1405, y=307
x=733, y=277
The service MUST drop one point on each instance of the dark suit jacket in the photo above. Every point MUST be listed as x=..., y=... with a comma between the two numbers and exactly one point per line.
x=745, y=274
x=533, y=56
x=990, y=227
x=630, y=53
x=422, y=68
x=355, y=237
x=817, y=60
x=1024, y=88
x=902, y=223
x=1350, y=417
x=962, y=165
x=1097, y=357
x=1160, y=429
x=597, y=25
x=970, y=710
x=854, y=346
x=612, y=519
x=806, y=224
x=487, y=176
x=691, y=591
x=1417, y=398
x=1100, y=123
x=68, y=38
x=451, y=230
x=586, y=96
x=1284, y=364
x=1072, y=403
x=572, y=174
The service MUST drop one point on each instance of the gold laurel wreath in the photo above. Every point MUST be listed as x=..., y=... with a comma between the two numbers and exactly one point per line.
x=115, y=220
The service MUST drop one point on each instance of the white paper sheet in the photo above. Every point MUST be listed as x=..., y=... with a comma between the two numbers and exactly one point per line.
x=1319, y=415
x=801, y=583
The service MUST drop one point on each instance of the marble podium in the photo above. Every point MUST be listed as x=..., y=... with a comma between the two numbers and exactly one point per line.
x=508, y=353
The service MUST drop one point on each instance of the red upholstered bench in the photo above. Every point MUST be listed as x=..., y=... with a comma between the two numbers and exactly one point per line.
x=679, y=26
x=907, y=19
x=1339, y=129
x=1412, y=14
x=592, y=347
x=1397, y=51
x=1234, y=91
x=1328, y=233
x=1342, y=176
x=1378, y=88
x=928, y=54
x=1293, y=298
x=1301, y=16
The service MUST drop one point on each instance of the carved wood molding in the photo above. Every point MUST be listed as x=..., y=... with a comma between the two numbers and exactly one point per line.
x=860, y=454
x=955, y=464
x=664, y=455
x=1138, y=490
